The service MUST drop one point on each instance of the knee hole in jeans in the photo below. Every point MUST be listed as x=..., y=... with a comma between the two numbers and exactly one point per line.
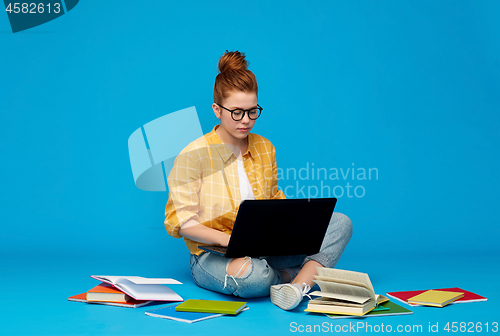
x=239, y=267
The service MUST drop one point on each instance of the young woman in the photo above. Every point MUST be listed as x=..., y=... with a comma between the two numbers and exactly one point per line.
x=213, y=174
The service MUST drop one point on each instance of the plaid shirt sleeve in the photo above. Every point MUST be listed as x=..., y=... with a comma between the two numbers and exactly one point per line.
x=184, y=183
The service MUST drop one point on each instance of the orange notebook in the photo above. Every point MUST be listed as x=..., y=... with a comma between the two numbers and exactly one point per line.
x=107, y=293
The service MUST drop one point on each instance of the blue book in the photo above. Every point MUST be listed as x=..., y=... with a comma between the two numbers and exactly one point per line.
x=169, y=312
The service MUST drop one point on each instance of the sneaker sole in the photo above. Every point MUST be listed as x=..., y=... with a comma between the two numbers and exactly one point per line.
x=285, y=297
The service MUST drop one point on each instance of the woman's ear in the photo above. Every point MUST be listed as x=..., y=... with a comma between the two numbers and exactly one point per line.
x=216, y=109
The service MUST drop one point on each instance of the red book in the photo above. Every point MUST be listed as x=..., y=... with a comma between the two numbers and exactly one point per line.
x=131, y=304
x=468, y=296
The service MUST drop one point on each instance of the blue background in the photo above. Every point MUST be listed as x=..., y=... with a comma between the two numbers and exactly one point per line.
x=407, y=87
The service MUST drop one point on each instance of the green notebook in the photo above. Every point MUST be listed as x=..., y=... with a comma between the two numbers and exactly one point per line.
x=211, y=306
x=393, y=309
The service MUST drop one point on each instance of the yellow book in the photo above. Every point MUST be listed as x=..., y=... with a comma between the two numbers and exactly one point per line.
x=435, y=298
x=211, y=306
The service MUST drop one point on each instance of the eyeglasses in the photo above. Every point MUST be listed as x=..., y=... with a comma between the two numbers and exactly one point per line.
x=238, y=114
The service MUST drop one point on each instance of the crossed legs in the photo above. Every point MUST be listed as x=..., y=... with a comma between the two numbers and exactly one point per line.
x=252, y=277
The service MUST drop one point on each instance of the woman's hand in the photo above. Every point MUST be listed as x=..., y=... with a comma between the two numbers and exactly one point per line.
x=225, y=240
x=203, y=234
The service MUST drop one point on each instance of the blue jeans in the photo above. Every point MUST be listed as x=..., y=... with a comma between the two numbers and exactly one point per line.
x=209, y=270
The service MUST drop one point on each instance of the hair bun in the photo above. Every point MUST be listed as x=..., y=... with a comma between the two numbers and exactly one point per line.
x=232, y=60
x=233, y=76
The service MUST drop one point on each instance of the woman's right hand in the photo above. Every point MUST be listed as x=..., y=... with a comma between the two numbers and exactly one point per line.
x=225, y=240
x=203, y=234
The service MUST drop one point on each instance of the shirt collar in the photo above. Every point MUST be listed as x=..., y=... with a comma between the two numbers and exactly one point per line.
x=224, y=152
x=252, y=150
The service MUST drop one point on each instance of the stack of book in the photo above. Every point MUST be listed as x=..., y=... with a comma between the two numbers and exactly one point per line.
x=436, y=297
x=349, y=294
x=128, y=291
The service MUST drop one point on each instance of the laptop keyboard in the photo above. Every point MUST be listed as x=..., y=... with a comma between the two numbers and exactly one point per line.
x=219, y=249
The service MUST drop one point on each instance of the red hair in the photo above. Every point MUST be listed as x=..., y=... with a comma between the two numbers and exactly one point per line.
x=233, y=76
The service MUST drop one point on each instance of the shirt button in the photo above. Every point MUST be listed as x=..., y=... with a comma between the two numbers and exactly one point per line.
x=255, y=189
x=249, y=174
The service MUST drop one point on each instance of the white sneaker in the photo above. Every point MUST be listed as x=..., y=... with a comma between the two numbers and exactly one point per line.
x=288, y=296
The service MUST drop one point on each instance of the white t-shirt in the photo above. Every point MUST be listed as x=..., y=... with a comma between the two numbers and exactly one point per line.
x=245, y=186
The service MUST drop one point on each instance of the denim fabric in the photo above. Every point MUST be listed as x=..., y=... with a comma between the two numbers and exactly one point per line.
x=209, y=270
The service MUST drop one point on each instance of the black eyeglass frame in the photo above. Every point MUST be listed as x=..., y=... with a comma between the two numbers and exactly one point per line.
x=244, y=111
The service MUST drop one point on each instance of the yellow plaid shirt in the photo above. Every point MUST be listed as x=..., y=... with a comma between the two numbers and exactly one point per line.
x=204, y=183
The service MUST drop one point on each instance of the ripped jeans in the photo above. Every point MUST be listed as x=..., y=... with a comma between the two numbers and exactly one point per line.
x=209, y=270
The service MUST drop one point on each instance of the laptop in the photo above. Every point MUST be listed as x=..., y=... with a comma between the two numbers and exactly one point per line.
x=278, y=228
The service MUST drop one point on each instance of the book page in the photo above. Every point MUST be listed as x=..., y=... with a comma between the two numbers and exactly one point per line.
x=154, y=292
x=344, y=281
x=113, y=279
x=346, y=275
x=157, y=281
x=339, y=296
x=335, y=302
x=337, y=288
x=380, y=298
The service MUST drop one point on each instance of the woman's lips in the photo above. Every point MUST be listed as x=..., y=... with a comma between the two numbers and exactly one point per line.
x=243, y=129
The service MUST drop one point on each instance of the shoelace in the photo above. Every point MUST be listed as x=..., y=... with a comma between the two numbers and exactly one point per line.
x=306, y=288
